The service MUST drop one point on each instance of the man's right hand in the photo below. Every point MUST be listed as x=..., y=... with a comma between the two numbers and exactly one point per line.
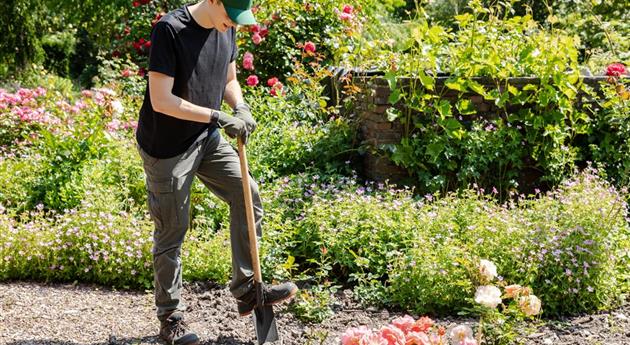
x=232, y=126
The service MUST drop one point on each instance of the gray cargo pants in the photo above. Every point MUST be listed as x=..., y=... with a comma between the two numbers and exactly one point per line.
x=215, y=162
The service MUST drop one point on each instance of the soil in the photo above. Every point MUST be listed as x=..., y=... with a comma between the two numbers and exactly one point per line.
x=66, y=314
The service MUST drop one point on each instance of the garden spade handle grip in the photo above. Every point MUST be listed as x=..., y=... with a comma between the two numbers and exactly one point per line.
x=249, y=211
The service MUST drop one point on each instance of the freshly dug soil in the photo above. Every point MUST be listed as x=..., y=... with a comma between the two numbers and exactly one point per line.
x=63, y=314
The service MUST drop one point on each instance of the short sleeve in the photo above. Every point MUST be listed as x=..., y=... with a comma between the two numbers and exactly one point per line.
x=162, y=54
x=234, y=47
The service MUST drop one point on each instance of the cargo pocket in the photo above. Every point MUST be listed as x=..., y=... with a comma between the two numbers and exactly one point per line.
x=162, y=201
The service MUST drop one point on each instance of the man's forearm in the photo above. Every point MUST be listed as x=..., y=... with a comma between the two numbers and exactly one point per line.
x=182, y=109
x=233, y=94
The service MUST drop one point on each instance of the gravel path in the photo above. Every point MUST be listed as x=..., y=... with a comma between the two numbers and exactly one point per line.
x=57, y=314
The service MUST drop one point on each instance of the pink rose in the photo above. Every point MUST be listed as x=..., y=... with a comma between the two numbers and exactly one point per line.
x=346, y=17
x=348, y=9
x=272, y=81
x=404, y=323
x=256, y=38
x=616, y=70
x=277, y=89
x=373, y=339
x=252, y=80
x=352, y=336
x=309, y=47
x=248, y=61
x=423, y=324
x=417, y=338
x=393, y=335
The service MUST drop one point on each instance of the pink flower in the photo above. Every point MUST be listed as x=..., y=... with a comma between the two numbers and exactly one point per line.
x=248, y=61
x=468, y=341
x=373, y=339
x=252, y=80
x=404, y=323
x=309, y=47
x=348, y=9
x=40, y=91
x=254, y=28
x=422, y=325
x=277, y=89
x=393, y=335
x=616, y=70
x=256, y=38
x=272, y=81
x=417, y=338
x=346, y=17
x=264, y=32
x=126, y=73
x=352, y=336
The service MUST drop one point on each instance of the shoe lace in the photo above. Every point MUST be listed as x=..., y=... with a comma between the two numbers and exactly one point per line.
x=178, y=328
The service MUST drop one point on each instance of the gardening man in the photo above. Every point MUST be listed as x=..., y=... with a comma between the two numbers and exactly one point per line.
x=192, y=69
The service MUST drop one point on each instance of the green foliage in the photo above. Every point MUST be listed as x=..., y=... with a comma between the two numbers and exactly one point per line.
x=609, y=134
x=552, y=243
x=314, y=304
x=95, y=242
x=19, y=39
x=446, y=145
x=59, y=48
x=298, y=132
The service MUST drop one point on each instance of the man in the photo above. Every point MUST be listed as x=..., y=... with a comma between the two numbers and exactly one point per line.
x=192, y=69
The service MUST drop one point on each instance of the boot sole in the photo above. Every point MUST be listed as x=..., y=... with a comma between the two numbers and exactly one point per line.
x=289, y=296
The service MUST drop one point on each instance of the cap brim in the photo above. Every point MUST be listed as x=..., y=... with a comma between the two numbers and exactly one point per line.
x=241, y=17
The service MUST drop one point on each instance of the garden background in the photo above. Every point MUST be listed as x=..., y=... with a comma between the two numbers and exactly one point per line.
x=73, y=200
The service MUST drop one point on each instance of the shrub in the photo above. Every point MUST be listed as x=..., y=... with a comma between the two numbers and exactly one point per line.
x=297, y=132
x=569, y=243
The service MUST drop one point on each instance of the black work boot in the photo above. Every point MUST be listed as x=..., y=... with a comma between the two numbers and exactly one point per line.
x=273, y=294
x=174, y=331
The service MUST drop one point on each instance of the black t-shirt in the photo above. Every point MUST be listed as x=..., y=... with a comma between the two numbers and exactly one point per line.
x=198, y=59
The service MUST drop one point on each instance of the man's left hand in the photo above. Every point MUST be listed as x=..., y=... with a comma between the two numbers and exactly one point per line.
x=243, y=112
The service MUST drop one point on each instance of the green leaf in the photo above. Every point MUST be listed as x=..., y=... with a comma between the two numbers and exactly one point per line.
x=444, y=108
x=427, y=81
x=451, y=124
x=464, y=19
x=458, y=84
x=391, y=80
x=394, y=96
x=466, y=107
x=434, y=150
x=475, y=86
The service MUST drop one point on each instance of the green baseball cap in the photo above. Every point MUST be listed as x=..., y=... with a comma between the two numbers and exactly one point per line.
x=240, y=11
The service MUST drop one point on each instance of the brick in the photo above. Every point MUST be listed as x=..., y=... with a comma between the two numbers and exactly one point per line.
x=380, y=109
x=476, y=99
x=483, y=107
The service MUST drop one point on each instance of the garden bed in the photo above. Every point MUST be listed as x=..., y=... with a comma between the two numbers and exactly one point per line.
x=66, y=314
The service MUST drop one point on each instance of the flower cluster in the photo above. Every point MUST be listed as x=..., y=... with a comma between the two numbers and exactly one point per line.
x=490, y=296
x=408, y=331
x=616, y=70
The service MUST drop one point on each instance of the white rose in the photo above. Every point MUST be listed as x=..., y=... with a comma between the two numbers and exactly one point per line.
x=530, y=305
x=461, y=332
x=488, y=295
x=117, y=107
x=487, y=269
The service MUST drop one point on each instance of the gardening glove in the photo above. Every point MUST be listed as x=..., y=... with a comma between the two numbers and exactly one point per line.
x=233, y=127
x=242, y=111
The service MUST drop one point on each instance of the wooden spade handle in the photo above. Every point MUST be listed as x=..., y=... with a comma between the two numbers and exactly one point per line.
x=249, y=210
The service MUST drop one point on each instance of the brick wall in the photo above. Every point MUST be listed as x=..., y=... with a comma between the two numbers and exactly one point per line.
x=376, y=130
